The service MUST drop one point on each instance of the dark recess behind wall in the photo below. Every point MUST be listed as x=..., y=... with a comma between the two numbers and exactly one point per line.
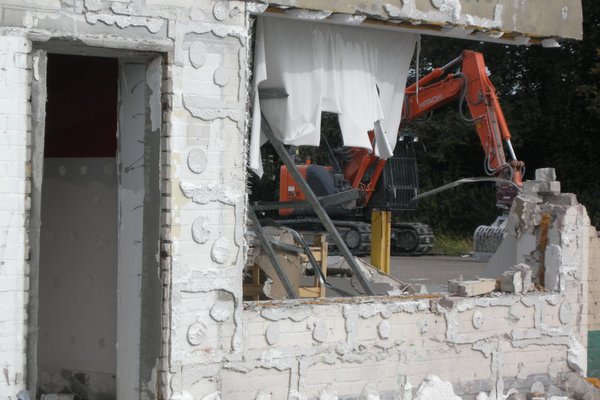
x=81, y=113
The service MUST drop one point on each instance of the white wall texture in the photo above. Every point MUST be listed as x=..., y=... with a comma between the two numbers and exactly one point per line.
x=15, y=125
x=78, y=273
x=214, y=346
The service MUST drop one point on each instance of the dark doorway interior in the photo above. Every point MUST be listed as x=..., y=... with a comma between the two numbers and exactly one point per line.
x=79, y=222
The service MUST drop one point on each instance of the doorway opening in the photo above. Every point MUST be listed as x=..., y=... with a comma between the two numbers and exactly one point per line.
x=77, y=317
x=96, y=293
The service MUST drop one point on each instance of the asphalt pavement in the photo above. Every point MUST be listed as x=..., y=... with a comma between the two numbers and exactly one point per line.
x=435, y=271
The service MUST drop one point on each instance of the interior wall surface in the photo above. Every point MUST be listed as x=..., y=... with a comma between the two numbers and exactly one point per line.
x=78, y=271
x=211, y=346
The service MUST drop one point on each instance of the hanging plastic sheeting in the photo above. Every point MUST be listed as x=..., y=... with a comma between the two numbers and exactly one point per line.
x=358, y=73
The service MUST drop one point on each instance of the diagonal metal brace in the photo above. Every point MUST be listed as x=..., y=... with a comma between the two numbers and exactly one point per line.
x=312, y=198
x=266, y=245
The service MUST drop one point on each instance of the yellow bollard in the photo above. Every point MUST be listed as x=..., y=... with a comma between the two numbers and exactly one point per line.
x=381, y=232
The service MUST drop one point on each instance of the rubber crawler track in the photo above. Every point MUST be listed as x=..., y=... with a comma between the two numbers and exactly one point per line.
x=411, y=239
x=408, y=238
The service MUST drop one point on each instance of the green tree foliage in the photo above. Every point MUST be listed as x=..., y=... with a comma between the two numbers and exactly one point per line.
x=551, y=100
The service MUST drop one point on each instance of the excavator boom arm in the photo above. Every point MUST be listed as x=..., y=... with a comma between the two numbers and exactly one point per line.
x=472, y=86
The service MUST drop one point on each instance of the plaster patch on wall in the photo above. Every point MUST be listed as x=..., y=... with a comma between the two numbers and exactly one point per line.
x=348, y=19
x=256, y=8
x=221, y=76
x=220, y=312
x=296, y=314
x=212, y=396
x=209, y=113
x=196, y=333
x=577, y=356
x=320, y=331
x=434, y=388
x=307, y=14
x=522, y=372
x=221, y=250
x=272, y=333
x=201, y=229
x=93, y=5
x=197, y=161
x=383, y=329
x=211, y=192
x=565, y=313
x=369, y=392
x=477, y=319
x=263, y=395
x=329, y=393
x=448, y=11
x=198, y=53
x=221, y=30
x=153, y=25
x=221, y=10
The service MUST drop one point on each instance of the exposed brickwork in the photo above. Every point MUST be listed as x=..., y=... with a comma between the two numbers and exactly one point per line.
x=15, y=153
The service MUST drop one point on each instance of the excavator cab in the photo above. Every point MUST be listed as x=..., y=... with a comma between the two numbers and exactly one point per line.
x=399, y=182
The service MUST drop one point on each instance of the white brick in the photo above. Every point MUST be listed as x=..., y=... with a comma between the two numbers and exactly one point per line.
x=23, y=61
x=15, y=153
x=15, y=91
x=15, y=44
x=14, y=75
x=12, y=236
x=15, y=283
x=13, y=252
x=10, y=106
x=14, y=185
x=15, y=122
x=12, y=219
x=14, y=267
x=14, y=202
x=13, y=169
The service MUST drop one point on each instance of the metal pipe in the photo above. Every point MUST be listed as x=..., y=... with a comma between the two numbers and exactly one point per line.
x=312, y=198
x=511, y=151
x=451, y=63
x=266, y=244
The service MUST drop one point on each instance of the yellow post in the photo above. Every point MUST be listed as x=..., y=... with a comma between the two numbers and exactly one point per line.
x=381, y=232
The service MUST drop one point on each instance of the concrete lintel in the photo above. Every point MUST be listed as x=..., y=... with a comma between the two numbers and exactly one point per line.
x=536, y=19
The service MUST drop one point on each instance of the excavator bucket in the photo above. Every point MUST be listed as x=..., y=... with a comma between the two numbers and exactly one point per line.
x=487, y=239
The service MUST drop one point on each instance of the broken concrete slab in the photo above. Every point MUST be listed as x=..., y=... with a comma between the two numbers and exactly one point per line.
x=517, y=280
x=545, y=174
x=511, y=282
x=471, y=288
x=507, y=18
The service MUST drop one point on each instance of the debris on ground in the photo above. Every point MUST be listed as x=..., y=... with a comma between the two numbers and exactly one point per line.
x=471, y=288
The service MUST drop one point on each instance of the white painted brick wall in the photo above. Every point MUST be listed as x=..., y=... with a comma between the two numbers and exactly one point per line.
x=212, y=347
x=15, y=128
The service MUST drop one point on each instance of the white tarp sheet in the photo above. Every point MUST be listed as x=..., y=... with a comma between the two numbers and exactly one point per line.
x=358, y=73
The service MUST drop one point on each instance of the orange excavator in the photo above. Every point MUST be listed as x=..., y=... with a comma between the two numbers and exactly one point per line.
x=392, y=184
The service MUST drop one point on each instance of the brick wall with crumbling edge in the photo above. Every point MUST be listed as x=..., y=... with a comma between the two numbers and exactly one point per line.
x=314, y=349
x=15, y=187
